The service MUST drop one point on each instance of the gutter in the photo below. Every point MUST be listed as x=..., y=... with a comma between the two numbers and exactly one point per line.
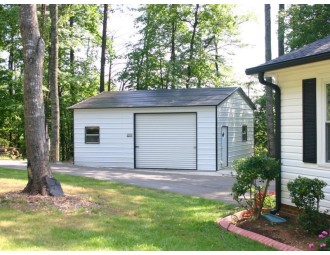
x=281, y=62
x=276, y=88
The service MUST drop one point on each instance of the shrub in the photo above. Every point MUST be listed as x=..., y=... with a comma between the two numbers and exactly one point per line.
x=306, y=194
x=252, y=180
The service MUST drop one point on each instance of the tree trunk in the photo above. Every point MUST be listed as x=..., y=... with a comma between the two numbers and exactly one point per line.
x=104, y=45
x=43, y=20
x=34, y=115
x=269, y=91
x=280, y=30
x=110, y=67
x=173, y=55
x=53, y=83
x=72, y=58
x=191, y=48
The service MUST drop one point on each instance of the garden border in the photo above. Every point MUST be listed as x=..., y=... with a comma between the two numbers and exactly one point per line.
x=228, y=224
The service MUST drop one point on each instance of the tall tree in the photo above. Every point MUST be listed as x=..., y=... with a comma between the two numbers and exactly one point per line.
x=34, y=115
x=192, y=44
x=306, y=23
x=269, y=91
x=281, y=29
x=181, y=46
x=104, y=45
x=53, y=83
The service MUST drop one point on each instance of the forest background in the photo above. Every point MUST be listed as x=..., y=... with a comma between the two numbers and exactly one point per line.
x=174, y=46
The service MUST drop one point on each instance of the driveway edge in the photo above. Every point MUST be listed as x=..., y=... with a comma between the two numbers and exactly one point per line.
x=227, y=224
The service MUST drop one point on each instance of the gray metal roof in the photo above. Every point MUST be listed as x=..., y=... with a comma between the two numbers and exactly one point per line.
x=316, y=51
x=160, y=98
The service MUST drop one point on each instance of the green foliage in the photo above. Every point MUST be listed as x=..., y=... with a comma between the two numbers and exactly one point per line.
x=4, y=143
x=305, y=23
x=252, y=172
x=306, y=195
x=169, y=53
x=260, y=126
x=313, y=221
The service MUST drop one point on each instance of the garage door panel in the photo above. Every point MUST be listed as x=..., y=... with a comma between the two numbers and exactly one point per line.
x=165, y=140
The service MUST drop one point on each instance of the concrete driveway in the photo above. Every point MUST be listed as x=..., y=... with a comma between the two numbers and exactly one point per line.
x=210, y=185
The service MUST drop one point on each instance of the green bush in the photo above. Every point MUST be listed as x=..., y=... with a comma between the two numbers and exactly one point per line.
x=306, y=194
x=313, y=221
x=252, y=180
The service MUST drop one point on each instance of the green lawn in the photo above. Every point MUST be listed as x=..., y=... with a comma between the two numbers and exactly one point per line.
x=116, y=217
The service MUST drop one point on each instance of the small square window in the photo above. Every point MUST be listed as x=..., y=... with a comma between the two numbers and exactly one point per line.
x=92, y=134
x=244, y=133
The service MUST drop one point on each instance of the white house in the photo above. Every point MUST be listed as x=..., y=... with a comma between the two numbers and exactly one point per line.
x=196, y=129
x=303, y=79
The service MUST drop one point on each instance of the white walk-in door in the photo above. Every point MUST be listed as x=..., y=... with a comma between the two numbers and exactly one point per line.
x=165, y=140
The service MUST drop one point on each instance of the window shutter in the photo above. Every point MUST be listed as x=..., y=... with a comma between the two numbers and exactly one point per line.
x=309, y=121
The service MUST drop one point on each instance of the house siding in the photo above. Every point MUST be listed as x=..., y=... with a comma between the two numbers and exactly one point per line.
x=290, y=82
x=116, y=148
x=234, y=112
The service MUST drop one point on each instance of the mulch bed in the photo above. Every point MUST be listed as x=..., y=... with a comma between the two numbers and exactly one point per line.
x=289, y=233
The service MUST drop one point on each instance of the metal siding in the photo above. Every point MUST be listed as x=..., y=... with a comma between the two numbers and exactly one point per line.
x=235, y=112
x=117, y=150
x=166, y=140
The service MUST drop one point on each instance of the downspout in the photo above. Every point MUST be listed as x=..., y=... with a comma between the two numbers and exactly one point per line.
x=276, y=88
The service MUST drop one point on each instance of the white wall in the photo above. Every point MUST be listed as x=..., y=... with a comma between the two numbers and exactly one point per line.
x=290, y=82
x=117, y=150
x=235, y=112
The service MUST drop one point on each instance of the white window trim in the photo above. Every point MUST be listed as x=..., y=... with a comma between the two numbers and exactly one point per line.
x=321, y=121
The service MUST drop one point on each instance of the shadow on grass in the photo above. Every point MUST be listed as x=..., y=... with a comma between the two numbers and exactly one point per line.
x=128, y=218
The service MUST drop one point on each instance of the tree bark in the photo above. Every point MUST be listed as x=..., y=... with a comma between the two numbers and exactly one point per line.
x=73, y=89
x=43, y=20
x=173, y=55
x=192, y=43
x=104, y=45
x=53, y=83
x=110, y=69
x=34, y=115
x=269, y=91
x=280, y=30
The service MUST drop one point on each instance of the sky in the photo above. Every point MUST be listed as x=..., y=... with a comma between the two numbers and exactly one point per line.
x=252, y=33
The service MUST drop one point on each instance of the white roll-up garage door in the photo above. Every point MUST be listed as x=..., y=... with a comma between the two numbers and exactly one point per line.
x=165, y=140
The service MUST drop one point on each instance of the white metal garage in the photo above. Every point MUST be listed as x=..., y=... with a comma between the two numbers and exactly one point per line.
x=198, y=129
x=165, y=140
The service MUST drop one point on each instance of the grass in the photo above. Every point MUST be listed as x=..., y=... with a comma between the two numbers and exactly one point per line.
x=122, y=217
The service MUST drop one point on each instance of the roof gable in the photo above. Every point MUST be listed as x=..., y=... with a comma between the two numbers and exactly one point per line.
x=160, y=98
x=316, y=51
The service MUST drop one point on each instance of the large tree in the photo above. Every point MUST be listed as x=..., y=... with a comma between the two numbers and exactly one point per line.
x=53, y=84
x=34, y=116
x=269, y=91
x=182, y=46
x=281, y=29
x=104, y=45
x=306, y=23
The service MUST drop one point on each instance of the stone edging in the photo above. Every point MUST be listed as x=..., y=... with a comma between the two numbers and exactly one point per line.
x=227, y=224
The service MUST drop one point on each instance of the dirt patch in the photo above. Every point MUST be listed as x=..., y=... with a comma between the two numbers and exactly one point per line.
x=67, y=204
x=289, y=233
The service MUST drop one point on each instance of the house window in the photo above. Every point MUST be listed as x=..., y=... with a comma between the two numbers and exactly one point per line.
x=92, y=134
x=244, y=133
x=328, y=124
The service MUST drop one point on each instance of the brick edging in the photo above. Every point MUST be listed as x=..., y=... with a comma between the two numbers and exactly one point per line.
x=229, y=226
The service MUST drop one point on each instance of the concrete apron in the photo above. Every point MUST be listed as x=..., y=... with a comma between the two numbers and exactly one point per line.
x=210, y=185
